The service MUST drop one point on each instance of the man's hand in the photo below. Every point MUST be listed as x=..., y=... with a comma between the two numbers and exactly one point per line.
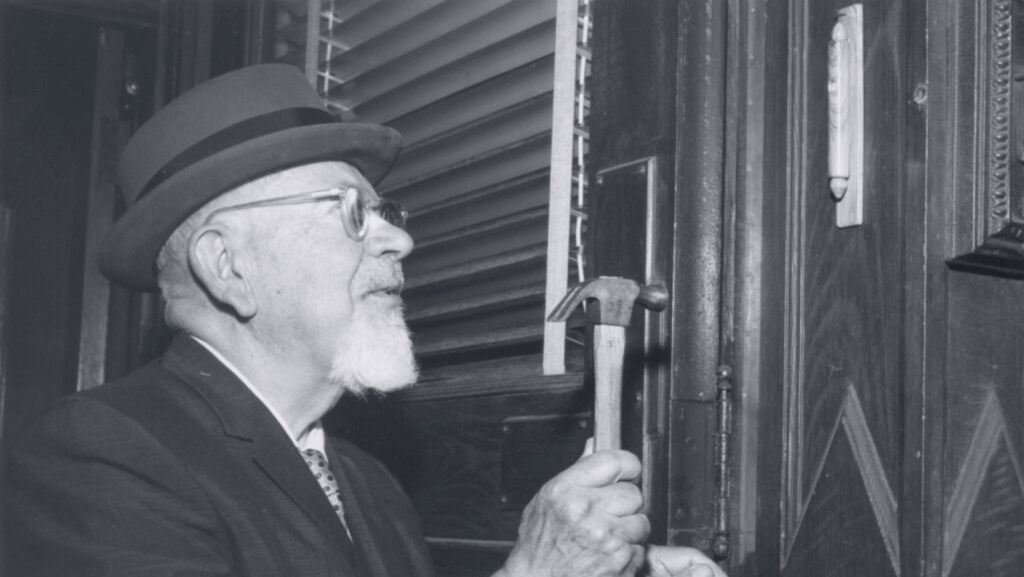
x=680, y=562
x=586, y=522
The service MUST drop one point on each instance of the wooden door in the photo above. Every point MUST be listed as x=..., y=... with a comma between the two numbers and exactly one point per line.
x=822, y=456
x=880, y=427
x=972, y=393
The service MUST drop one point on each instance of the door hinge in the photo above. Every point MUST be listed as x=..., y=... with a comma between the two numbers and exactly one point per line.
x=723, y=459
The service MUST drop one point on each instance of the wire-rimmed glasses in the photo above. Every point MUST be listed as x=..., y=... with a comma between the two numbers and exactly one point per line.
x=354, y=208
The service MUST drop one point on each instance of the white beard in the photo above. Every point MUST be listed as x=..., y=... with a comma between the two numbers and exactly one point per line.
x=376, y=353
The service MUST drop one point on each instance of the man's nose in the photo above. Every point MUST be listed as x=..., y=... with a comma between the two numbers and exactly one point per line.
x=383, y=238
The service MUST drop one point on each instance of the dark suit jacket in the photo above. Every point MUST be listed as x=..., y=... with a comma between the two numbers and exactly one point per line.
x=178, y=469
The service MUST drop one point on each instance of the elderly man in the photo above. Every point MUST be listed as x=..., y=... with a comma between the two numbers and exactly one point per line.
x=254, y=213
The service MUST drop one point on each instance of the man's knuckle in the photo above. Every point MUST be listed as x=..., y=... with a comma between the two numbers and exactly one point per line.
x=621, y=557
x=592, y=533
x=645, y=527
x=575, y=509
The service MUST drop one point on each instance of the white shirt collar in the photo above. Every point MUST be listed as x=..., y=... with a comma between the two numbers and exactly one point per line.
x=314, y=437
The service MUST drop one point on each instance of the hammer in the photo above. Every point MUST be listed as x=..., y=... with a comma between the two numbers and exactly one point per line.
x=615, y=298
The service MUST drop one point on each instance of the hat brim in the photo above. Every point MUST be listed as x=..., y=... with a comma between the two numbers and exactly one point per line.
x=128, y=254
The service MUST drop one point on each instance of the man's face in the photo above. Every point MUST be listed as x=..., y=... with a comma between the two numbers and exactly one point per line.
x=330, y=297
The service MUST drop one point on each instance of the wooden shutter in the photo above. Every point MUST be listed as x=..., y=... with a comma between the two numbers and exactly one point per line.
x=469, y=84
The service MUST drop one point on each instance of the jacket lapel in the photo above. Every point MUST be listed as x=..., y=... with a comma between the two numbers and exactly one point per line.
x=371, y=559
x=244, y=416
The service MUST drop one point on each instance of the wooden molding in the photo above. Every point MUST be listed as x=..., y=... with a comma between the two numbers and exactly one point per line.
x=457, y=389
x=869, y=463
x=988, y=220
x=109, y=135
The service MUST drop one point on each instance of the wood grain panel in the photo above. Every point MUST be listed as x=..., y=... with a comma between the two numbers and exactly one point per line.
x=838, y=535
x=852, y=298
x=987, y=504
x=851, y=426
x=993, y=539
x=846, y=322
x=984, y=511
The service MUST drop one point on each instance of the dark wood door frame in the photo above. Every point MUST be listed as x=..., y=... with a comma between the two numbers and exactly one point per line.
x=660, y=90
x=929, y=112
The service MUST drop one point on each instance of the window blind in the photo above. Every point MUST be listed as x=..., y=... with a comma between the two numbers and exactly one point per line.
x=470, y=85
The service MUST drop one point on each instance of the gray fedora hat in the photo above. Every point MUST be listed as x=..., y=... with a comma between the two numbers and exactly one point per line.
x=219, y=135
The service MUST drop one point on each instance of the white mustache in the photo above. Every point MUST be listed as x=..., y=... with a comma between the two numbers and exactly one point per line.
x=377, y=275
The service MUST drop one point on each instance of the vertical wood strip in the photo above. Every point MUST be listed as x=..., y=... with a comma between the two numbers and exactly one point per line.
x=560, y=201
x=753, y=52
x=312, y=39
x=879, y=490
x=699, y=135
x=795, y=267
x=929, y=237
x=6, y=234
x=92, y=344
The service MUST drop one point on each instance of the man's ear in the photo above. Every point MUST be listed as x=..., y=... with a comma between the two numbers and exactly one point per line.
x=222, y=269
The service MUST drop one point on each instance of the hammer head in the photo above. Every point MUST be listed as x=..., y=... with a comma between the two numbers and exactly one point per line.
x=615, y=297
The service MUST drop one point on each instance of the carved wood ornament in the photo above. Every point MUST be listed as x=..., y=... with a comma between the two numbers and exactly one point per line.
x=988, y=195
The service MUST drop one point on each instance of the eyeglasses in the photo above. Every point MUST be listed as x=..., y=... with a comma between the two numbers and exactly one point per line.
x=354, y=208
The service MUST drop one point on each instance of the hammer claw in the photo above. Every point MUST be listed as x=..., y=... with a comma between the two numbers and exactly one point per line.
x=615, y=298
x=564, y=308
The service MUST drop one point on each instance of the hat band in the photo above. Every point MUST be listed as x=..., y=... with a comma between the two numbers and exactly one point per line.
x=237, y=134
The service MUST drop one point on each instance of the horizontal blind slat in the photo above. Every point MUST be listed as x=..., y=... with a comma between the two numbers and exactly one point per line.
x=518, y=375
x=483, y=266
x=466, y=234
x=406, y=37
x=491, y=170
x=494, y=133
x=512, y=187
x=522, y=234
x=477, y=209
x=479, y=304
x=510, y=25
x=352, y=28
x=481, y=100
x=421, y=90
x=479, y=339
x=346, y=9
x=466, y=288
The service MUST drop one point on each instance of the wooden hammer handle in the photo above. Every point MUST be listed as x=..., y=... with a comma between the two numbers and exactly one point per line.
x=609, y=349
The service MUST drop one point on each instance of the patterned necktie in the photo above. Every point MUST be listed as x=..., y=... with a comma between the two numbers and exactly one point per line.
x=317, y=463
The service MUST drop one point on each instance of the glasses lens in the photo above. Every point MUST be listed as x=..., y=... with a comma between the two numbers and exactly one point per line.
x=393, y=213
x=354, y=214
